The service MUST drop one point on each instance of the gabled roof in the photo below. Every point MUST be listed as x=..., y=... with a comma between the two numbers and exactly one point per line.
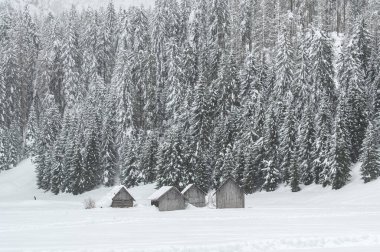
x=225, y=182
x=162, y=191
x=123, y=189
x=191, y=185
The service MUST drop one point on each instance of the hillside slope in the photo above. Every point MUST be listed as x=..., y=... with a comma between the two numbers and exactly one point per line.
x=315, y=219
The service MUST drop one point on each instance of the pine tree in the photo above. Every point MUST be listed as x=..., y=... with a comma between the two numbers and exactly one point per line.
x=351, y=77
x=284, y=67
x=76, y=167
x=200, y=131
x=109, y=154
x=338, y=173
x=229, y=163
x=287, y=140
x=240, y=160
x=294, y=174
x=149, y=157
x=131, y=169
x=370, y=169
x=306, y=144
x=14, y=143
x=48, y=132
x=322, y=69
x=218, y=34
x=170, y=164
x=107, y=45
x=227, y=86
x=93, y=172
x=57, y=172
x=253, y=173
x=271, y=173
x=72, y=90
x=322, y=142
x=31, y=134
x=175, y=92
x=249, y=82
x=303, y=79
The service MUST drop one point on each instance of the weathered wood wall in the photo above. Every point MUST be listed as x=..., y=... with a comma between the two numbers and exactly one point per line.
x=172, y=200
x=122, y=203
x=195, y=197
x=230, y=195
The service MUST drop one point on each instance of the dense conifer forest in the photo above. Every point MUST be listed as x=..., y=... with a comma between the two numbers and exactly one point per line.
x=193, y=91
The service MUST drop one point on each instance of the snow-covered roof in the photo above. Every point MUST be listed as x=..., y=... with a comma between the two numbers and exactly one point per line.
x=187, y=188
x=225, y=182
x=158, y=194
x=122, y=188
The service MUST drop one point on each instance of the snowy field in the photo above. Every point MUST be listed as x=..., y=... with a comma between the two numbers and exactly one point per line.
x=315, y=219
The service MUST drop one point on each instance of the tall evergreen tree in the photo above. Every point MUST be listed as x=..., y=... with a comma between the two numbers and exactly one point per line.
x=338, y=172
x=370, y=169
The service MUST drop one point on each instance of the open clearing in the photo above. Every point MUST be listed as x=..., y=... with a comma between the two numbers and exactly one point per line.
x=315, y=219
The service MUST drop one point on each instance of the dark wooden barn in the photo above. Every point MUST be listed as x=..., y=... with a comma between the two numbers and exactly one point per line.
x=230, y=195
x=168, y=198
x=122, y=199
x=194, y=195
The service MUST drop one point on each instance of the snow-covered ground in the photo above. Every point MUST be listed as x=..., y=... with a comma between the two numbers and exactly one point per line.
x=313, y=220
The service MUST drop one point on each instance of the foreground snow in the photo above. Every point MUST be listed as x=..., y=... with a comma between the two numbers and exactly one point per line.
x=315, y=219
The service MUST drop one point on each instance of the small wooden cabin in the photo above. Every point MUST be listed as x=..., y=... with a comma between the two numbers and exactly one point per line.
x=122, y=199
x=194, y=195
x=230, y=195
x=168, y=198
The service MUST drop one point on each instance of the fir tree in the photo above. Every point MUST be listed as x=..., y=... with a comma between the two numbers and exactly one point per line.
x=338, y=173
x=254, y=167
x=294, y=175
x=170, y=164
x=322, y=69
x=287, y=140
x=77, y=179
x=229, y=163
x=284, y=65
x=306, y=144
x=92, y=172
x=322, y=142
x=131, y=173
x=149, y=158
x=271, y=173
x=109, y=153
x=353, y=86
x=370, y=169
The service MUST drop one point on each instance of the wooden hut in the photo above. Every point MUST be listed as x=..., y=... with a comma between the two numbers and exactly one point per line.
x=194, y=195
x=230, y=195
x=122, y=199
x=168, y=198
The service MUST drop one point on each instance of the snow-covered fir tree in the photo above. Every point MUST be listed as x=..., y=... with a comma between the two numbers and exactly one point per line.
x=192, y=91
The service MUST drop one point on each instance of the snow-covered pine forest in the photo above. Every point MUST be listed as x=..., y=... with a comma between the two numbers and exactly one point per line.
x=265, y=91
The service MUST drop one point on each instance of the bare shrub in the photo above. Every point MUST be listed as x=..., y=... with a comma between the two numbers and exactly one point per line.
x=89, y=203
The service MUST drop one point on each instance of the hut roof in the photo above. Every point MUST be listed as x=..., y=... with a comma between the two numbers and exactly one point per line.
x=161, y=192
x=189, y=186
x=122, y=188
x=225, y=182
